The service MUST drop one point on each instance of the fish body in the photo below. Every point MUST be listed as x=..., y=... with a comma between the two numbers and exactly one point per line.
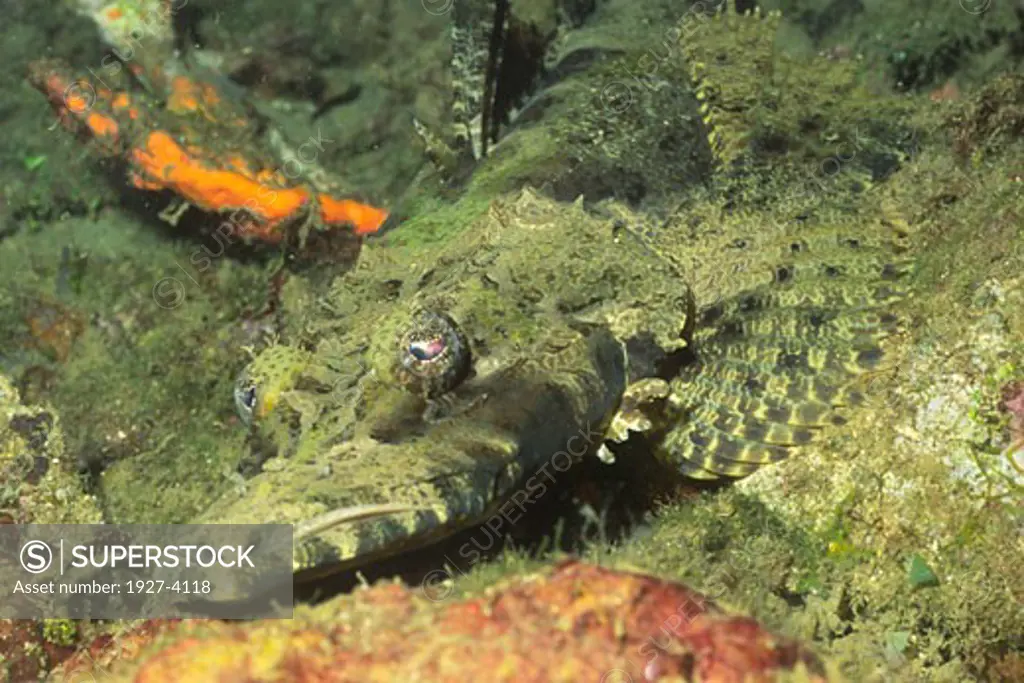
x=718, y=324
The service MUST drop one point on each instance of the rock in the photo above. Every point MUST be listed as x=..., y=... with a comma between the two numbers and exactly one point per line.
x=571, y=622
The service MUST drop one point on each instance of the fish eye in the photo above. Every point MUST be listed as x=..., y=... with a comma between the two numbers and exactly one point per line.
x=433, y=354
x=245, y=398
x=263, y=383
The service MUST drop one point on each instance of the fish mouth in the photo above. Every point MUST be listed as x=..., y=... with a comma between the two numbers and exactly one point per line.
x=366, y=500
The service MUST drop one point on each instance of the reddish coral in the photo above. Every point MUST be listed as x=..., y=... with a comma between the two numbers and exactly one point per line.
x=201, y=147
x=107, y=650
x=574, y=622
x=1013, y=402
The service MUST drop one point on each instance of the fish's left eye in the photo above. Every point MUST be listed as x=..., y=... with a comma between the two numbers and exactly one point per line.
x=245, y=398
x=433, y=354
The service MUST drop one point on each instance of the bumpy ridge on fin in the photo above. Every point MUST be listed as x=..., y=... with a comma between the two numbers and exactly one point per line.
x=725, y=103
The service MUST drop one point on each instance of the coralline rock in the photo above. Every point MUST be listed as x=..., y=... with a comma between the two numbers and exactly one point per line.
x=573, y=622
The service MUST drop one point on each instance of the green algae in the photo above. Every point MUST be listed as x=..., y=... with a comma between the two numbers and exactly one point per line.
x=432, y=221
x=591, y=133
x=67, y=184
x=915, y=44
x=146, y=384
x=63, y=632
x=919, y=574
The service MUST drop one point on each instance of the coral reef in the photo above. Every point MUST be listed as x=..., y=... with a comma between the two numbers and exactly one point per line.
x=892, y=547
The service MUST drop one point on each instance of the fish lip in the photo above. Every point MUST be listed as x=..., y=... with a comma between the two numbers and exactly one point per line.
x=352, y=513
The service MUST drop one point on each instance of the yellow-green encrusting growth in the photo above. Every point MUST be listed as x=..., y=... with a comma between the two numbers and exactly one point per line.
x=63, y=632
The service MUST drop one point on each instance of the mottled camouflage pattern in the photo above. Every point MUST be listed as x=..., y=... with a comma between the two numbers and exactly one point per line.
x=461, y=142
x=745, y=328
x=546, y=295
x=549, y=297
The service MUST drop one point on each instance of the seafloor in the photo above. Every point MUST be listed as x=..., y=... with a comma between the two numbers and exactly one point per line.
x=894, y=547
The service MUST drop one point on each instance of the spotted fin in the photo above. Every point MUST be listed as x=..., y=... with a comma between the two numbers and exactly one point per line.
x=776, y=363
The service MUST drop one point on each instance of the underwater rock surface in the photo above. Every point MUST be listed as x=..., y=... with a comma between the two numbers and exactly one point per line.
x=572, y=622
x=893, y=546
